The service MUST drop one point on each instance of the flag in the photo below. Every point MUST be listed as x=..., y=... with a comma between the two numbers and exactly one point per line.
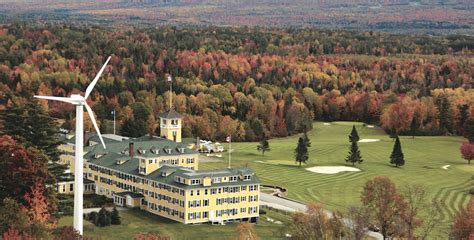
x=228, y=139
x=169, y=78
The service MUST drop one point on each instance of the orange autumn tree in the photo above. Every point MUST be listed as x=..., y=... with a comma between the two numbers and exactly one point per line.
x=37, y=207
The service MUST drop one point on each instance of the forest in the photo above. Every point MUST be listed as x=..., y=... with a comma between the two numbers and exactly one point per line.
x=246, y=82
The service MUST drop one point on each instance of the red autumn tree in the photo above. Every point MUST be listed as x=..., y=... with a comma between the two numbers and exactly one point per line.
x=467, y=151
x=463, y=227
x=20, y=168
x=13, y=234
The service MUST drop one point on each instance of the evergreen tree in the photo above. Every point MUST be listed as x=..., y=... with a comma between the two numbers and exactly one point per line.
x=32, y=126
x=103, y=218
x=444, y=115
x=393, y=133
x=264, y=146
x=469, y=130
x=306, y=139
x=397, y=157
x=301, y=151
x=354, y=154
x=413, y=127
x=354, y=136
x=463, y=116
x=115, y=217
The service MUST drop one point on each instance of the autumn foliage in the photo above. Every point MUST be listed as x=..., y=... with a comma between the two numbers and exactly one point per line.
x=467, y=151
x=463, y=227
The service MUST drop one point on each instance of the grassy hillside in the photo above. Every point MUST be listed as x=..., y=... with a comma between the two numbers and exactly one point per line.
x=425, y=157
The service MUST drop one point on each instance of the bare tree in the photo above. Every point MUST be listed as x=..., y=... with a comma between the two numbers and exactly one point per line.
x=415, y=196
x=246, y=231
x=316, y=224
x=358, y=220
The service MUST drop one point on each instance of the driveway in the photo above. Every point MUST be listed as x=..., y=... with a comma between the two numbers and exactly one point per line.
x=293, y=206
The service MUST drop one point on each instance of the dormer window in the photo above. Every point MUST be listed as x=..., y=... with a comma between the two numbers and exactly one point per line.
x=154, y=150
x=180, y=149
x=247, y=177
x=98, y=155
x=141, y=151
x=167, y=150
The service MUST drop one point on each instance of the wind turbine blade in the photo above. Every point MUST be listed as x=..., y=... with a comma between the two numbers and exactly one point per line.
x=91, y=115
x=91, y=86
x=62, y=99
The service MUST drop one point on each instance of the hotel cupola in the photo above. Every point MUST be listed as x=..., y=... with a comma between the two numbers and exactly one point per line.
x=170, y=125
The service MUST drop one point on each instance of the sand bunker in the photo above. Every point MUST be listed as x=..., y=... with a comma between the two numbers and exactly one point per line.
x=367, y=140
x=326, y=124
x=370, y=126
x=332, y=169
x=445, y=167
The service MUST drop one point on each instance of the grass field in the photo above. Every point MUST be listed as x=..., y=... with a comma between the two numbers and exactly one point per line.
x=424, y=156
x=137, y=221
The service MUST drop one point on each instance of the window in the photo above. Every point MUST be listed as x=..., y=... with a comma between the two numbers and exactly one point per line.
x=205, y=214
x=205, y=203
x=71, y=187
x=205, y=192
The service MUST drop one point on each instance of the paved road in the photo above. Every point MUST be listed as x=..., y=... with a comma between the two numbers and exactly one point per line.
x=293, y=206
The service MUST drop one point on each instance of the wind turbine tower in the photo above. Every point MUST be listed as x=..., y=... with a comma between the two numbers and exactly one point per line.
x=80, y=102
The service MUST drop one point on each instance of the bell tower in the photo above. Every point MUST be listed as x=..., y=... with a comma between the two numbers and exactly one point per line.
x=170, y=125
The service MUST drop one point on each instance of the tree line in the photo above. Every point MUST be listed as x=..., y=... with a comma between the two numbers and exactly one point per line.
x=226, y=82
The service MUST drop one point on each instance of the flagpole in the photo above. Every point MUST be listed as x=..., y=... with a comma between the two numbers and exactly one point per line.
x=171, y=89
x=230, y=147
x=114, y=121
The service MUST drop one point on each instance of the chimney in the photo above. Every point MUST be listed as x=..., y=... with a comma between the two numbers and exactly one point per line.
x=86, y=138
x=131, y=149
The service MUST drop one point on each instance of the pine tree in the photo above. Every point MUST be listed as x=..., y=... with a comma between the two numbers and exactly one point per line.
x=463, y=116
x=354, y=136
x=301, y=151
x=103, y=218
x=393, y=133
x=397, y=157
x=469, y=129
x=354, y=154
x=115, y=217
x=32, y=126
x=264, y=146
x=444, y=115
x=413, y=127
x=306, y=139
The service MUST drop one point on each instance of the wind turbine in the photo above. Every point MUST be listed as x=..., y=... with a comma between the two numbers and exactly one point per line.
x=80, y=102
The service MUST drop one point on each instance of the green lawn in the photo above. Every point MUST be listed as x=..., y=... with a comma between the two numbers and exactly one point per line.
x=137, y=221
x=424, y=158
